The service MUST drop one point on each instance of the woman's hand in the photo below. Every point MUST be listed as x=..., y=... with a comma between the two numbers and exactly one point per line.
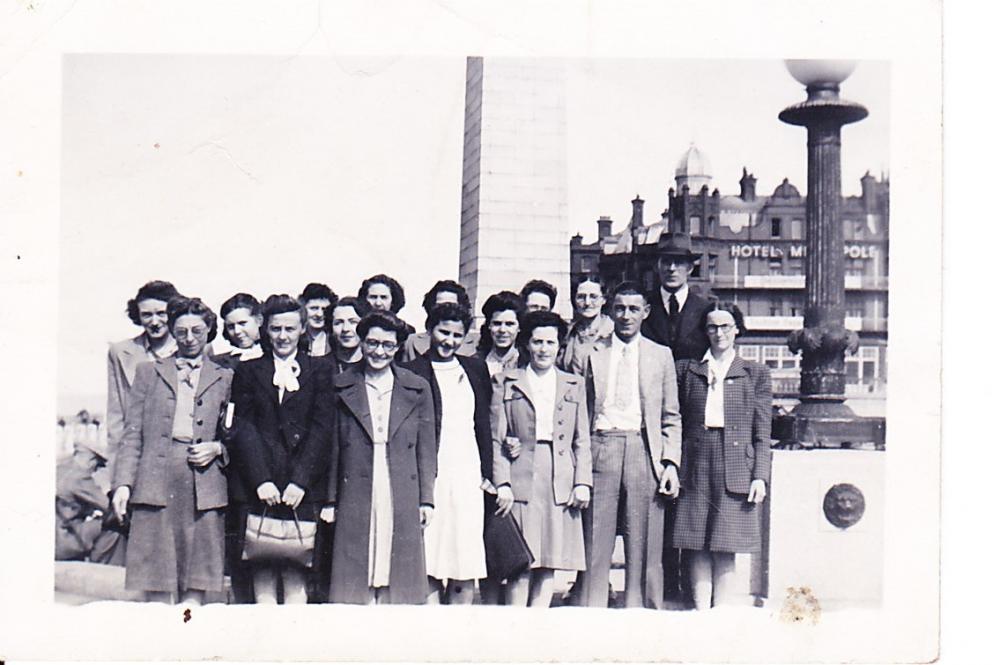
x=426, y=515
x=505, y=500
x=328, y=514
x=512, y=447
x=670, y=485
x=292, y=496
x=580, y=498
x=268, y=493
x=758, y=490
x=202, y=454
x=119, y=502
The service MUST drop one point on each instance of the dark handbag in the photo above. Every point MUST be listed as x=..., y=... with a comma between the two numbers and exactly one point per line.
x=272, y=540
x=507, y=553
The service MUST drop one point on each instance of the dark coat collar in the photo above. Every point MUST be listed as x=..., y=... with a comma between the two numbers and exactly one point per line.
x=737, y=368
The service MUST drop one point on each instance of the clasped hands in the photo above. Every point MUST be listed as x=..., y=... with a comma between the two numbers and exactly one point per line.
x=579, y=499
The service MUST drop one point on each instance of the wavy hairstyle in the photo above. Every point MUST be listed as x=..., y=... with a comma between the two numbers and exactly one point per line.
x=398, y=297
x=238, y=301
x=180, y=306
x=281, y=303
x=498, y=302
x=155, y=290
x=446, y=285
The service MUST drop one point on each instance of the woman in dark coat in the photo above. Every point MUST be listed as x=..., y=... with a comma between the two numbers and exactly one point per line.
x=726, y=459
x=170, y=469
x=462, y=391
x=281, y=438
x=382, y=470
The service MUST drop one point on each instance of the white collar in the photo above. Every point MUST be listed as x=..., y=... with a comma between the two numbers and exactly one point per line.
x=681, y=294
x=617, y=343
x=290, y=359
x=722, y=363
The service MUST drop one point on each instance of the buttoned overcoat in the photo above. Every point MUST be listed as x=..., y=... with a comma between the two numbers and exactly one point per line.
x=412, y=456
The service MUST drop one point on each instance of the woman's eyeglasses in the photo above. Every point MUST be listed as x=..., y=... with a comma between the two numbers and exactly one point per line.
x=387, y=346
x=712, y=329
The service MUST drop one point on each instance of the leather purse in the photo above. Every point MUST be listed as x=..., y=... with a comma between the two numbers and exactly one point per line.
x=507, y=553
x=273, y=540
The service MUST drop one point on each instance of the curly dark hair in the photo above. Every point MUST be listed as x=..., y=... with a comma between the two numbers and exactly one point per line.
x=384, y=320
x=155, y=290
x=629, y=288
x=359, y=306
x=539, y=286
x=498, y=302
x=398, y=297
x=448, y=311
x=181, y=305
x=317, y=291
x=541, y=319
x=449, y=285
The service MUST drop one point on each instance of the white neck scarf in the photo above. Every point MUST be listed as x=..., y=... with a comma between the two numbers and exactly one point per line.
x=286, y=373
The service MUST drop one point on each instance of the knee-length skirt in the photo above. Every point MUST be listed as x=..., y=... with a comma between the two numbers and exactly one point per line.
x=176, y=548
x=708, y=516
x=554, y=532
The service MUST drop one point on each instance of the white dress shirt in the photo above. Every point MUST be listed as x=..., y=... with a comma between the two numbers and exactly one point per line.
x=681, y=294
x=715, y=411
x=543, y=398
x=627, y=416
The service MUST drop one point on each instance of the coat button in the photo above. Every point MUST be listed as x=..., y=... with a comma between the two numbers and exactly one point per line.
x=560, y=422
x=562, y=436
x=200, y=422
x=200, y=402
x=413, y=476
x=562, y=452
x=198, y=440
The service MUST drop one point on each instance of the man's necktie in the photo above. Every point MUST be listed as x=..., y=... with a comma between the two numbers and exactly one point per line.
x=623, y=387
x=674, y=310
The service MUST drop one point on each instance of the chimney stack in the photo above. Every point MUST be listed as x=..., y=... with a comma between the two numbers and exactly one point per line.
x=748, y=186
x=603, y=227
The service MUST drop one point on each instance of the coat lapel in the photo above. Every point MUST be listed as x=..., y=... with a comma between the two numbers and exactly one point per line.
x=404, y=399
x=265, y=375
x=520, y=383
x=354, y=397
x=649, y=379
x=306, y=371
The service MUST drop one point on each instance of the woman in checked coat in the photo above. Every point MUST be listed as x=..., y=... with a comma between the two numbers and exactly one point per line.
x=726, y=458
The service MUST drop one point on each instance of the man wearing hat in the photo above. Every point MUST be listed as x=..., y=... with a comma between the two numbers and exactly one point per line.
x=80, y=500
x=676, y=311
x=675, y=315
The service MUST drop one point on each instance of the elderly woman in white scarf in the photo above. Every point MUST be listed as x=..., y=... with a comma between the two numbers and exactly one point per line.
x=280, y=441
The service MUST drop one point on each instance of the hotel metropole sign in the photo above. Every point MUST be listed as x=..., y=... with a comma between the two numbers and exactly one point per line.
x=769, y=251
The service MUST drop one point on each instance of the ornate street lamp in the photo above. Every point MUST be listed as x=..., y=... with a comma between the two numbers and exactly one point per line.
x=822, y=418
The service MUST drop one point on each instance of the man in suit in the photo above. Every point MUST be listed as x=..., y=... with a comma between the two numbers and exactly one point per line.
x=675, y=311
x=636, y=451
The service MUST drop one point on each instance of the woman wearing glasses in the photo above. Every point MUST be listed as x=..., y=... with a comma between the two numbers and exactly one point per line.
x=590, y=325
x=170, y=469
x=382, y=469
x=726, y=458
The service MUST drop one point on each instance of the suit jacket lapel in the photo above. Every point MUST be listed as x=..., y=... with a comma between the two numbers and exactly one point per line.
x=130, y=356
x=167, y=370
x=520, y=382
x=649, y=379
x=210, y=373
x=600, y=366
x=306, y=367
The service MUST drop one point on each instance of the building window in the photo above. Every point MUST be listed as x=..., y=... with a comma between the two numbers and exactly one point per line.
x=796, y=230
x=749, y=352
x=775, y=227
x=696, y=226
x=713, y=266
x=774, y=267
x=772, y=356
x=794, y=267
x=854, y=229
x=862, y=366
x=794, y=311
x=776, y=309
x=854, y=267
x=710, y=227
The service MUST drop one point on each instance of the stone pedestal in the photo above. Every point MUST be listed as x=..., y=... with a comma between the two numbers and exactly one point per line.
x=826, y=514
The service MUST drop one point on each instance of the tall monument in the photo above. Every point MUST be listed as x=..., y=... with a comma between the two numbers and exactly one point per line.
x=515, y=224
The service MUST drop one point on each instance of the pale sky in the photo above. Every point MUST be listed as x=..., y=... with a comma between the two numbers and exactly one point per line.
x=260, y=173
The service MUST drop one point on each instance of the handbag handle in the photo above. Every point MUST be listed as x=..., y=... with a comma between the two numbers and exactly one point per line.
x=295, y=517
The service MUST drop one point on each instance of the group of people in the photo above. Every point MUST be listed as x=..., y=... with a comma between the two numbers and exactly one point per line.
x=398, y=447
